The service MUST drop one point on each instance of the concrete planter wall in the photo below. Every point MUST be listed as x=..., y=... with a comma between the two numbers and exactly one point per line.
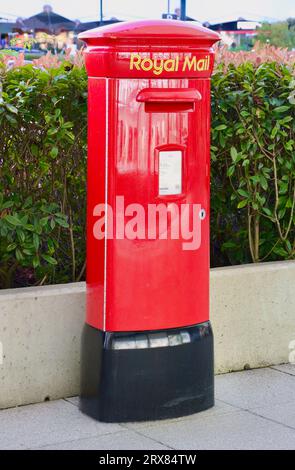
x=252, y=311
x=253, y=315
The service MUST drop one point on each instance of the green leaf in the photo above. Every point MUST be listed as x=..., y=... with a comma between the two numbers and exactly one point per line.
x=36, y=241
x=68, y=125
x=28, y=252
x=44, y=221
x=255, y=179
x=230, y=170
x=49, y=259
x=11, y=247
x=11, y=108
x=287, y=119
x=62, y=223
x=267, y=211
x=221, y=127
x=242, y=192
x=274, y=132
x=54, y=152
x=281, y=109
x=263, y=182
x=28, y=202
x=7, y=205
x=29, y=227
x=242, y=203
x=36, y=261
x=70, y=135
x=233, y=153
x=52, y=131
x=50, y=244
x=21, y=236
x=13, y=220
x=289, y=203
x=283, y=187
x=280, y=251
x=18, y=254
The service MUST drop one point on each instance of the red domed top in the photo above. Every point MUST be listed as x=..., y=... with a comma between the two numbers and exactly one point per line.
x=151, y=32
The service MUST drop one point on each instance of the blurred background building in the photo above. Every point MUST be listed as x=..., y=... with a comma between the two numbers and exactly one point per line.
x=50, y=31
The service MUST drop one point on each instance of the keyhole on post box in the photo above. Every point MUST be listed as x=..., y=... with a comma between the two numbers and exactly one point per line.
x=202, y=214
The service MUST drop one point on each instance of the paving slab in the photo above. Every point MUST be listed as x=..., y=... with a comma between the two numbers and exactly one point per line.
x=47, y=423
x=286, y=368
x=283, y=413
x=73, y=400
x=255, y=388
x=241, y=430
x=124, y=440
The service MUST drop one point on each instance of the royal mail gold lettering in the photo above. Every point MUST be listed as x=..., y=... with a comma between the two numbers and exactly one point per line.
x=135, y=61
x=201, y=65
x=158, y=66
x=169, y=65
x=147, y=64
x=190, y=63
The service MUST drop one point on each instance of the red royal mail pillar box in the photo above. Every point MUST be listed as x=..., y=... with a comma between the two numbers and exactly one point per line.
x=147, y=346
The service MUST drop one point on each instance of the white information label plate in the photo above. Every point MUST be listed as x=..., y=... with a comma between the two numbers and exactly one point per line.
x=170, y=172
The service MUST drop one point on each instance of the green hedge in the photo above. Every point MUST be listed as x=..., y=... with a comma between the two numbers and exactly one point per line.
x=253, y=164
x=43, y=161
x=42, y=175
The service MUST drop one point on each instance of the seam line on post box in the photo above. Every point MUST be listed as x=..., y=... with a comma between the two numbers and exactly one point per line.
x=106, y=203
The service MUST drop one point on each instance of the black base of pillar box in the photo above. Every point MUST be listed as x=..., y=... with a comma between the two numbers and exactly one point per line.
x=147, y=375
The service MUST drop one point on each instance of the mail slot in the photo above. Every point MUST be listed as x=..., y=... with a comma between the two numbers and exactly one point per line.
x=147, y=345
x=168, y=100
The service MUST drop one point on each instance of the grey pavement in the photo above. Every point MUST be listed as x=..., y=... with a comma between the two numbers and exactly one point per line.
x=254, y=409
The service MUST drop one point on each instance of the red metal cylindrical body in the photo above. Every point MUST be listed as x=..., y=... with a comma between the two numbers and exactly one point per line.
x=144, y=284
